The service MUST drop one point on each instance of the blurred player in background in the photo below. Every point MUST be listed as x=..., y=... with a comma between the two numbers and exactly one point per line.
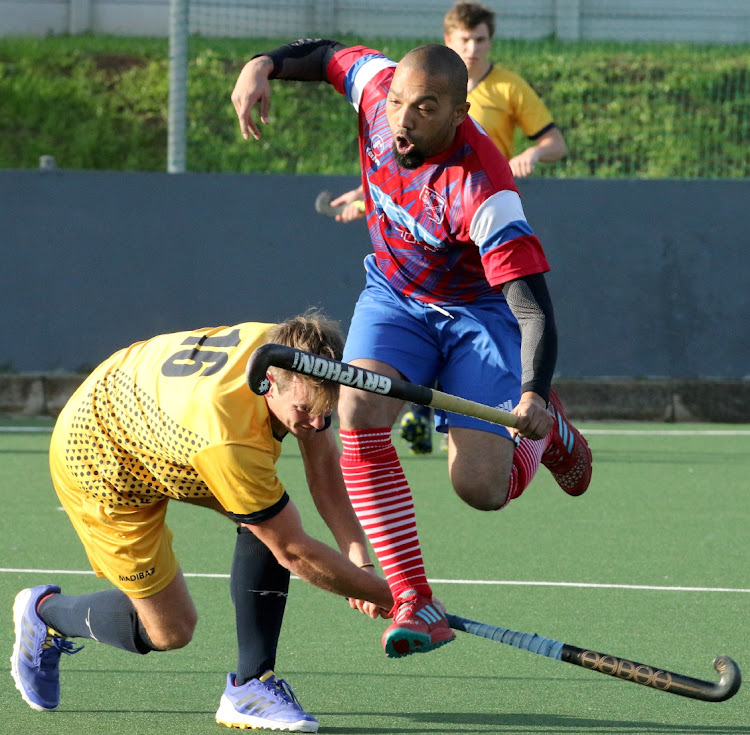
x=455, y=294
x=501, y=101
x=172, y=418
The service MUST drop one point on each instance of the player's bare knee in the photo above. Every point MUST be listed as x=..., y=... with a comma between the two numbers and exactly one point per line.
x=482, y=486
x=172, y=640
x=360, y=410
x=481, y=494
x=177, y=634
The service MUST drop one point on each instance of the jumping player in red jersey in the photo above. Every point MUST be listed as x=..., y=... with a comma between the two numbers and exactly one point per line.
x=455, y=294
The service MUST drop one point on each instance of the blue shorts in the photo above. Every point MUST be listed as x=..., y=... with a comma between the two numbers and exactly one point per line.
x=472, y=351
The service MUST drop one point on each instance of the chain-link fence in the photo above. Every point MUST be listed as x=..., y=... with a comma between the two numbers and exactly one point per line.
x=695, y=21
x=639, y=89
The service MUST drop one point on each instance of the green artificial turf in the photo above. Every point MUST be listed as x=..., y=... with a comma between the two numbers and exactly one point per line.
x=667, y=509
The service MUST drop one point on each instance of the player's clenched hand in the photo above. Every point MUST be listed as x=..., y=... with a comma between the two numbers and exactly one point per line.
x=252, y=88
x=369, y=608
x=523, y=164
x=355, y=206
x=534, y=420
x=351, y=212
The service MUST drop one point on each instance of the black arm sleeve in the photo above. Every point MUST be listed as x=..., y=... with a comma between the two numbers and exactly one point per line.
x=305, y=60
x=529, y=300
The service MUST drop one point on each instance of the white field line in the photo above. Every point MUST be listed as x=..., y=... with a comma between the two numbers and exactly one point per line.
x=467, y=582
x=588, y=585
x=26, y=429
x=665, y=432
x=583, y=428
x=511, y=583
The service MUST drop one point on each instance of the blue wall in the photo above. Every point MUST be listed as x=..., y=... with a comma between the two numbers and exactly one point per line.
x=649, y=278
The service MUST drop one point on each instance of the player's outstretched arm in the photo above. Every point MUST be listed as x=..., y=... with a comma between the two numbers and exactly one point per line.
x=252, y=88
x=317, y=563
x=321, y=459
x=304, y=60
x=320, y=455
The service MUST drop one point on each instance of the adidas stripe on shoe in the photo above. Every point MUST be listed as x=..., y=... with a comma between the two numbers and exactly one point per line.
x=266, y=703
x=35, y=661
x=419, y=625
x=568, y=456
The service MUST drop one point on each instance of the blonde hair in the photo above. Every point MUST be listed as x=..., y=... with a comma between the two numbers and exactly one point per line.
x=312, y=332
x=468, y=15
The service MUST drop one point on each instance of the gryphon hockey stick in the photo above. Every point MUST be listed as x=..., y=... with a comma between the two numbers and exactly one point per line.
x=665, y=681
x=289, y=358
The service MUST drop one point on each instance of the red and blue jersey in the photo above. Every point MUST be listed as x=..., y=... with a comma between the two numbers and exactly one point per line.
x=451, y=230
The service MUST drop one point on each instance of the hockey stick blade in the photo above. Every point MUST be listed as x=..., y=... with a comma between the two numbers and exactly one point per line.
x=324, y=368
x=621, y=668
x=323, y=205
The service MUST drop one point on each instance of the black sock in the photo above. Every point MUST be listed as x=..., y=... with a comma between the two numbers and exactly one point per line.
x=108, y=617
x=259, y=586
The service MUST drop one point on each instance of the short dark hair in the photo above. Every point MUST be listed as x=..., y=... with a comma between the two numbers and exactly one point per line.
x=468, y=15
x=442, y=61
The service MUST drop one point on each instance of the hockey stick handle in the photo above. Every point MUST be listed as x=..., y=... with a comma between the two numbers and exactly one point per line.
x=621, y=668
x=325, y=368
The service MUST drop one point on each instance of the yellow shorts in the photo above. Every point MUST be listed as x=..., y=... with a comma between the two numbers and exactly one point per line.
x=131, y=547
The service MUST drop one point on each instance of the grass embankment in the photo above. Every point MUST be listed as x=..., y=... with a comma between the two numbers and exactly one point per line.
x=101, y=102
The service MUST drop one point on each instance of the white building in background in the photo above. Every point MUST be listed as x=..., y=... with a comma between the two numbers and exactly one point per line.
x=715, y=21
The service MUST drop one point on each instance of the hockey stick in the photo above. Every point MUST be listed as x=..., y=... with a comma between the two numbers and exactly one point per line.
x=289, y=358
x=621, y=668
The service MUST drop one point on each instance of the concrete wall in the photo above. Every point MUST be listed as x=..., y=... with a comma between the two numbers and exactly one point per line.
x=723, y=401
x=721, y=21
x=649, y=278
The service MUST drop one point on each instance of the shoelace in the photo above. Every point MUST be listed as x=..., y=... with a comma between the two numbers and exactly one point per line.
x=554, y=455
x=63, y=645
x=405, y=608
x=286, y=691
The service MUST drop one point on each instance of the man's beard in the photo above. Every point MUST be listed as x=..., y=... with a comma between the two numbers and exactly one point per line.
x=411, y=160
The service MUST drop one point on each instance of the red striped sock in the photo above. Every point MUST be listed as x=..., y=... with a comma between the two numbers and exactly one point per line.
x=526, y=460
x=382, y=500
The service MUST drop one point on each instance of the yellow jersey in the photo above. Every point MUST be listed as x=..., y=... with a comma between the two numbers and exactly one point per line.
x=174, y=417
x=504, y=101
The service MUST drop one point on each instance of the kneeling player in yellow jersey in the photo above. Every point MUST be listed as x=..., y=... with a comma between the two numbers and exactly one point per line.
x=172, y=418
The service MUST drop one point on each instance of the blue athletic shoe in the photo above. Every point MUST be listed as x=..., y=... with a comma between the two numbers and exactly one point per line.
x=266, y=702
x=35, y=663
x=416, y=432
